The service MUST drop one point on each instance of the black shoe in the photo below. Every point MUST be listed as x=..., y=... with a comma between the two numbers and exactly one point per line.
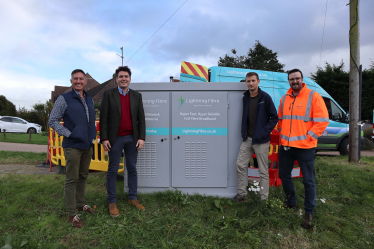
x=239, y=198
x=307, y=221
x=289, y=206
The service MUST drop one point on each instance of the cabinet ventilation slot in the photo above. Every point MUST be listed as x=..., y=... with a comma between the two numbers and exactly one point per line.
x=195, y=160
x=146, y=165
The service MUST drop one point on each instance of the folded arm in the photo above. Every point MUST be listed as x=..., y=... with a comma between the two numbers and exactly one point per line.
x=56, y=115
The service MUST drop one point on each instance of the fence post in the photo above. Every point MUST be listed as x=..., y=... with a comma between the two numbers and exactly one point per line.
x=4, y=133
x=29, y=135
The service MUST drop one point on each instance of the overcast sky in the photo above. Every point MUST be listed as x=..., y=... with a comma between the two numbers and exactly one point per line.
x=44, y=40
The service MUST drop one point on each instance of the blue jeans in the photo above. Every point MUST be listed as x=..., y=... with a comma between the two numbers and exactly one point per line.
x=305, y=158
x=127, y=144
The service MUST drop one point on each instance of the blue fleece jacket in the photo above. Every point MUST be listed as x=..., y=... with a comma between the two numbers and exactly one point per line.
x=75, y=120
x=266, y=117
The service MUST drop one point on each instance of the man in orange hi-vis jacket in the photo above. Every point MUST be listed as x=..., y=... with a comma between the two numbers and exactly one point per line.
x=302, y=117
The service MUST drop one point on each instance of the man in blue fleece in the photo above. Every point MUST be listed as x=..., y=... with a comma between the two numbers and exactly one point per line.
x=258, y=120
x=77, y=109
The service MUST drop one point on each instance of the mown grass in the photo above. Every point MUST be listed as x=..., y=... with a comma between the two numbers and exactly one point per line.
x=41, y=138
x=32, y=210
x=16, y=157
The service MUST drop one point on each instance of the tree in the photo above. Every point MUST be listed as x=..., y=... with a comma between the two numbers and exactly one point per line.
x=97, y=110
x=367, y=104
x=28, y=115
x=43, y=111
x=336, y=82
x=7, y=108
x=258, y=58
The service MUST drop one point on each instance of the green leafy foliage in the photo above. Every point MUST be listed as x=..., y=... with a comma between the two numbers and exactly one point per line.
x=29, y=115
x=43, y=111
x=335, y=81
x=7, y=108
x=258, y=58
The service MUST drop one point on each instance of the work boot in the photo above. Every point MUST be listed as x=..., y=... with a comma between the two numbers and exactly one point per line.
x=239, y=198
x=113, y=210
x=307, y=221
x=137, y=204
x=75, y=221
x=87, y=209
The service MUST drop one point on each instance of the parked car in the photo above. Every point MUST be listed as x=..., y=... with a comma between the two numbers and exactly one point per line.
x=18, y=125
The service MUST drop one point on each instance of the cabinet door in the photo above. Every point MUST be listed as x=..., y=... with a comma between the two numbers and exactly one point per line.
x=153, y=165
x=199, y=139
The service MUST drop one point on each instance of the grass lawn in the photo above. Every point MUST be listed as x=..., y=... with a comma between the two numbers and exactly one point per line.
x=32, y=214
x=40, y=138
x=17, y=157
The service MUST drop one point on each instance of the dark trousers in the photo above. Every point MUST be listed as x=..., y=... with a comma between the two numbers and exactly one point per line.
x=127, y=144
x=77, y=168
x=305, y=158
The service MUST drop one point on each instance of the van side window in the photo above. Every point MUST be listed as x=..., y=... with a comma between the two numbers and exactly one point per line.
x=335, y=114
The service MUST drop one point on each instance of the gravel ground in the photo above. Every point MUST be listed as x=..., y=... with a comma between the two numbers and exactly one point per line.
x=23, y=147
x=25, y=169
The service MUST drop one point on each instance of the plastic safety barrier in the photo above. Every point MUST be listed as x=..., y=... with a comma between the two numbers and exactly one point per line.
x=274, y=179
x=55, y=154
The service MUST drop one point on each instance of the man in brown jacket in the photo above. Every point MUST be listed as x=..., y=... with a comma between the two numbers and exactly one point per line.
x=122, y=127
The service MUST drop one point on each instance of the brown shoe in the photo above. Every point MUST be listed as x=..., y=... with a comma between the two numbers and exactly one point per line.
x=137, y=204
x=87, y=209
x=75, y=221
x=307, y=221
x=113, y=210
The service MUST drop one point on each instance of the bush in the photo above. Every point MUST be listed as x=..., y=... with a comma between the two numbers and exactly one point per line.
x=45, y=133
x=368, y=133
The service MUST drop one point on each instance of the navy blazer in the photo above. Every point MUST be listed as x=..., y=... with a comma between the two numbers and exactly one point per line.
x=266, y=117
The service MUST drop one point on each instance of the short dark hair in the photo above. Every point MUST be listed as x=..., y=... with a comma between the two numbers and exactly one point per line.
x=252, y=74
x=295, y=71
x=124, y=69
x=78, y=71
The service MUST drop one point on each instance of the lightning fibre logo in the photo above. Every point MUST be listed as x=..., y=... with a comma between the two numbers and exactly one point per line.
x=182, y=101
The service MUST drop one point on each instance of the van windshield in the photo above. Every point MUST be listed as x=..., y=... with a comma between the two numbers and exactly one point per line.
x=335, y=114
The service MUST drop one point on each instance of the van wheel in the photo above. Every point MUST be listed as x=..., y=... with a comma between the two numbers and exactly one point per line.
x=344, y=147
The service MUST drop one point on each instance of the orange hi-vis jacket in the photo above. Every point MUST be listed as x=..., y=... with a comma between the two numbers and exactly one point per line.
x=302, y=119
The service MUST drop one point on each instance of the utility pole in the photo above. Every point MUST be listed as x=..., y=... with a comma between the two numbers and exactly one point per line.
x=354, y=43
x=121, y=55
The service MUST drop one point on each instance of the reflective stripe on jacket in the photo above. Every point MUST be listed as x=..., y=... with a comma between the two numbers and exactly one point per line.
x=302, y=119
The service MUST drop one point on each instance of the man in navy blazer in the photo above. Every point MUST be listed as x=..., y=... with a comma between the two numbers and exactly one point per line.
x=122, y=127
x=258, y=120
